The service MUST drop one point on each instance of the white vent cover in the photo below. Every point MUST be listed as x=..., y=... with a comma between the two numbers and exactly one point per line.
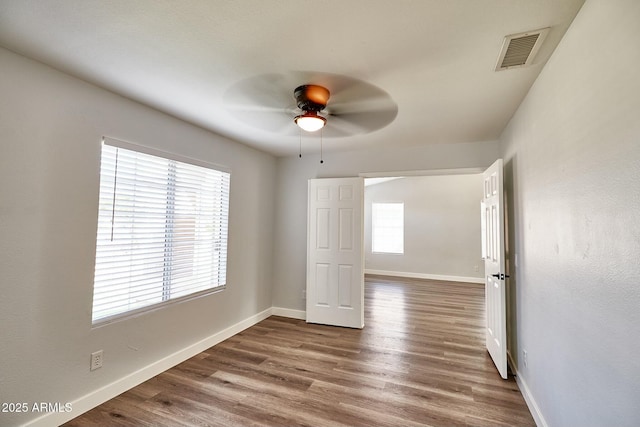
x=518, y=50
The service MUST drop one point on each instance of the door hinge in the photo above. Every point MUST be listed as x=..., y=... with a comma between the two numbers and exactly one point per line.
x=500, y=276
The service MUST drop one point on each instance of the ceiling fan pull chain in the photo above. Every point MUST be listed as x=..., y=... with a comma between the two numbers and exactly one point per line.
x=300, y=148
x=321, y=161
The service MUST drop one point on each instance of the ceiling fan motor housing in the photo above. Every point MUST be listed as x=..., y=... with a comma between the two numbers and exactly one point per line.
x=311, y=97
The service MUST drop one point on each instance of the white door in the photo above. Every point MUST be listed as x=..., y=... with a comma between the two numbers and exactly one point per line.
x=335, y=257
x=494, y=266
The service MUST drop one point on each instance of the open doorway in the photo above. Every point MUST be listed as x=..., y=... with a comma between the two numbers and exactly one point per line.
x=440, y=212
x=424, y=226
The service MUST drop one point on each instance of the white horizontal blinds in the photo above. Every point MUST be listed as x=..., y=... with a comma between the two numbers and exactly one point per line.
x=387, y=227
x=162, y=231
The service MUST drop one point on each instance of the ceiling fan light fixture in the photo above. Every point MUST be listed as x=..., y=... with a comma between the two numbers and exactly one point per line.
x=310, y=121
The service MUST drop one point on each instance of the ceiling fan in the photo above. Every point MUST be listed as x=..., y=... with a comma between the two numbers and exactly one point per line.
x=311, y=99
x=339, y=105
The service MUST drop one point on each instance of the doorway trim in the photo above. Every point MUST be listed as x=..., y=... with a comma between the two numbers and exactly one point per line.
x=425, y=172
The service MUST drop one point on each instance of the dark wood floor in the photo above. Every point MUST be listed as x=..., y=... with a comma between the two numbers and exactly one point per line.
x=420, y=360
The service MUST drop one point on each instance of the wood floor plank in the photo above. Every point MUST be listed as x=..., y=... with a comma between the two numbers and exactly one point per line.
x=419, y=361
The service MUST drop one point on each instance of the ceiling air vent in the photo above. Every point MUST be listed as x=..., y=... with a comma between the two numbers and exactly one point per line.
x=518, y=50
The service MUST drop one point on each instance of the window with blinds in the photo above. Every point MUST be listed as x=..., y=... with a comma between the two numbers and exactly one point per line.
x=387, y=234
x=162, y=230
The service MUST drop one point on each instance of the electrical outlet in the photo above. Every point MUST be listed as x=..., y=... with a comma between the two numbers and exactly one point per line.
x=525, y=360
x=96, y=360
x=476, y=268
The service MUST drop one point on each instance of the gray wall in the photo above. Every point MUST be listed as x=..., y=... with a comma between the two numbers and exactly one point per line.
x=51, y=125
x=572, y=156
x=442, y=226
x=291, y=197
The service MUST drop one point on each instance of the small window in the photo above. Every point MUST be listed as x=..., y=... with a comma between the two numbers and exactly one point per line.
x=387, y=234
x=162, y=230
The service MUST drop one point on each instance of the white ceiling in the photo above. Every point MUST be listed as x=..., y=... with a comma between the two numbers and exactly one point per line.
x=434, y=58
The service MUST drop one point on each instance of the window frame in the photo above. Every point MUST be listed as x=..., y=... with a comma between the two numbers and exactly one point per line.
x=374, y=228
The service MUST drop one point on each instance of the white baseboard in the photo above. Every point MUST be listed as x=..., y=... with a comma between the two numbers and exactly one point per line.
x=426, y=276
x=287, y=312
x=112, y=390
x=526, y=393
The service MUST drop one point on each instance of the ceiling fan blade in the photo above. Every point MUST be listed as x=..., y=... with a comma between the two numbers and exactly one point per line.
x=267, y=120
x=340, y=128
x=366, y=121
x=362, y=106
x=357, y=107
x=264, y=102
x=241, y=108
x=265, y=90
